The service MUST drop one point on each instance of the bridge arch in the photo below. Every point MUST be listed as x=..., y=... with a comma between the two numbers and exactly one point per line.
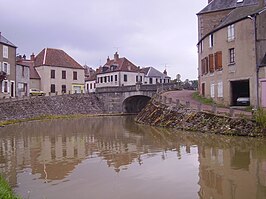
x=135, y=103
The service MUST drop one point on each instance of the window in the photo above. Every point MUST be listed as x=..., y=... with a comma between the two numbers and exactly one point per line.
x=105, y=79
x=101, y=79
x=23, y=71
x=90, y=85
x=211, y=40
x=137, y=78
x=21, y=87
x=231, y=56
x=111, y=78
x=75, y=75
x=140, y=78
x=150, y=80
x=211, y=63
x=63, y=74
x=52, y=88
x=5, y=51
x=204, y=66
x=6, y=68
x=52, y=74
x=125, y=78
x=115, y=78
x=220, y=89
x=212, y=90
x=5, y=86
x=231, y=32
x=218, y=60
x=63, y=88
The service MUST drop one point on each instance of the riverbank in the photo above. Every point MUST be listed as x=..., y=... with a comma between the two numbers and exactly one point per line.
x=5, y=190
x=158, y=114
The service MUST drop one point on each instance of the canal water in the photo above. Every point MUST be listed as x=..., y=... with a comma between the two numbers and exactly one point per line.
x=114, y=158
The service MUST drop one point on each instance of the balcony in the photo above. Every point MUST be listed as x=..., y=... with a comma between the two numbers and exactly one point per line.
x=2, y=75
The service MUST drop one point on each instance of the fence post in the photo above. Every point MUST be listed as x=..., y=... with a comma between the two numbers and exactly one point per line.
x=232, y=112
x=214, y=108
x=177, y=102
x=164, y=99
x=199, y=107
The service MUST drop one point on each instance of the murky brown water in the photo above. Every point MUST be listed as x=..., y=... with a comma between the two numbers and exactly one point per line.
x=112, y=158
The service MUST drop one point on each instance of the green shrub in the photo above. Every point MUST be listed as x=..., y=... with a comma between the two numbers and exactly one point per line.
x=5, y=190
x=260, y=117
x=203, y=100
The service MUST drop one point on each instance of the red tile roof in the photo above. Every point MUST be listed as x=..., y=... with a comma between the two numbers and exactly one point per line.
x=56, y=57
x=122, y=64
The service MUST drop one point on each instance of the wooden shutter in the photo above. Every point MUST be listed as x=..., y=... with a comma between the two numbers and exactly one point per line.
x=211, y=64
x=206, y=65
x=218, y=60
x=202, y=67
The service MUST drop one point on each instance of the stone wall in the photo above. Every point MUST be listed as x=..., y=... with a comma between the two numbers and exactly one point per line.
x=51, y=105
x=157, y=114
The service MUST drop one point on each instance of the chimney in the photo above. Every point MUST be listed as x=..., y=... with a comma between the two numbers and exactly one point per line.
x=24, y=57
x=32, y=57
x=165, y=72
x=116, y=56
x=108, y=59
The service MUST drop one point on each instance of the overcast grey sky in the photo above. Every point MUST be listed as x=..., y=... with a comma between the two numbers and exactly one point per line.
x=154, y=33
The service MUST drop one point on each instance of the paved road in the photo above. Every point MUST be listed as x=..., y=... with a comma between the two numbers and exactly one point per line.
x=186, y=95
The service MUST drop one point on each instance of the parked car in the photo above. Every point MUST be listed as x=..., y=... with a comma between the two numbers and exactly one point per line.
x=36, y=92
x=243, y=101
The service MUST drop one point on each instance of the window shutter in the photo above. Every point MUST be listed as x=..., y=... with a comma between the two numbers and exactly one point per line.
x=207, y=64
x=211, y=66
x=1, y=67
x=8, y=69
x=220, y=63
x=3, y=86
x=8, y=85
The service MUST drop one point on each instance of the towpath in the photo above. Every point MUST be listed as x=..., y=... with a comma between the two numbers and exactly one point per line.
x=186, y=95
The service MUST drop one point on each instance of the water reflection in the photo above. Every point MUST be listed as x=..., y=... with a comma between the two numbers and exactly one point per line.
x=70, y=152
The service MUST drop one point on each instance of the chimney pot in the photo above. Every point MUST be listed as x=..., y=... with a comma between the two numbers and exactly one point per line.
x=24, y=57
x=116, y=56
x=32, y=57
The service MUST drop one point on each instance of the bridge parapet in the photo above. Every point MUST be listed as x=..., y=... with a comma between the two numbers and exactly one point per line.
x=137, y=87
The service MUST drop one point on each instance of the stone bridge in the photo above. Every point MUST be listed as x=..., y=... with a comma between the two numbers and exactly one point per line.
x=129, y=99
x=126, y=99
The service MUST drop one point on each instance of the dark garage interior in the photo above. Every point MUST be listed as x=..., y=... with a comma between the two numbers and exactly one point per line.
x=239, y=89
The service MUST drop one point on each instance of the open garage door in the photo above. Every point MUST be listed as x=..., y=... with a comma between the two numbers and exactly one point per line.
x=240, y=93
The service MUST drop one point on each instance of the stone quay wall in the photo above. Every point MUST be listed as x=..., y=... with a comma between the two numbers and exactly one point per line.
x=30, y=107
x=184, y=118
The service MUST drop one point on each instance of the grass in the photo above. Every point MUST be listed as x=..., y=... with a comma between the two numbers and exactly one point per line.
x=5, y=190
x=203, y=100
x=50, y=117
x=260, y=117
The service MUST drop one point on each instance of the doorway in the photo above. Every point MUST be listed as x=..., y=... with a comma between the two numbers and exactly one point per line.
x=240, y=92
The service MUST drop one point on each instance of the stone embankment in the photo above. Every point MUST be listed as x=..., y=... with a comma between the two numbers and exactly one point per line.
x=50, y=105
x=181, y=117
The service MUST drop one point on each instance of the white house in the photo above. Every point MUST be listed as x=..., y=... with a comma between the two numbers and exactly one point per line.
x=118, y=72
x=153, y=76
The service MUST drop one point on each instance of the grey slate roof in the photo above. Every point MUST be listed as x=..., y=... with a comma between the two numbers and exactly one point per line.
x=3, y=40
x=238, y=13
x=218, y=5
x=152, y=72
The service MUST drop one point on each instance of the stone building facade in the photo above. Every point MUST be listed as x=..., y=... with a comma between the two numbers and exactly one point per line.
x=7, y=68
x=232, y=51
